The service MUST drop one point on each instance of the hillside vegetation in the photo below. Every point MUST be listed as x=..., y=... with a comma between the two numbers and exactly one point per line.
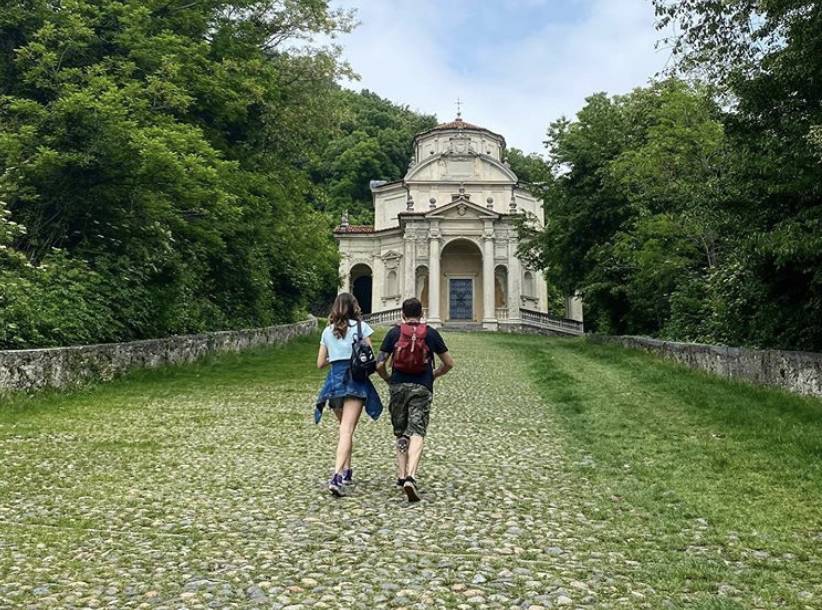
x=177, y=167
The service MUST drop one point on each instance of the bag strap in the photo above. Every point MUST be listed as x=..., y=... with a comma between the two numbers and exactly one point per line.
x=359, y=331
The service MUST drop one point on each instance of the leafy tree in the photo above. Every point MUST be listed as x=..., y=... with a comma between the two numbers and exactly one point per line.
x=580, y=212
x=373, y=140
x=765, y=57
x=695, y=211
x=163, y=148
x=532, y=170
x=637, y=214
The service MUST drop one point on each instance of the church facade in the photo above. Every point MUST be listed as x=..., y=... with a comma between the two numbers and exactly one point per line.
x=445, y=233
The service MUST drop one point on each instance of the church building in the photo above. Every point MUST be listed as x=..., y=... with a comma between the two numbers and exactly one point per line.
x=445, y=233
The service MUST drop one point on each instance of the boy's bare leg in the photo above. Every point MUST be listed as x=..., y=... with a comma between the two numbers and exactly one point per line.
x=402, y=464
x=414, y=454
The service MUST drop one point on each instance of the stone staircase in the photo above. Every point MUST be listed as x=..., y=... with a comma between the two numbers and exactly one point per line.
x=461, y=326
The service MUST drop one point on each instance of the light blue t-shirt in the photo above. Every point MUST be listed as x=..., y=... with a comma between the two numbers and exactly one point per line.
x=340, y=349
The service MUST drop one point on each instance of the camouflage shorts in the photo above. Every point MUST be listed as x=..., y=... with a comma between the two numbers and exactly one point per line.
x=410, y=408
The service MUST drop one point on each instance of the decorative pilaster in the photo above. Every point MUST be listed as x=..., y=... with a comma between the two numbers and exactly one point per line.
x=489, y=314
x=514, y=281
x=345, y=273
x=434, y=279
x=409, y=264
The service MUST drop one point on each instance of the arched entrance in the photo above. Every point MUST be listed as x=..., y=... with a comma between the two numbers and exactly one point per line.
x=461, y=281
x=361, y=284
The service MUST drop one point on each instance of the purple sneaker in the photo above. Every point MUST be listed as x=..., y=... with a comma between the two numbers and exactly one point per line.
x=348, y=477
x=335, y=485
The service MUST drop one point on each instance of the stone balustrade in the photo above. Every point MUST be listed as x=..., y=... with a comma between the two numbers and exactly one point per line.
x=383, y=318
x=564, y=326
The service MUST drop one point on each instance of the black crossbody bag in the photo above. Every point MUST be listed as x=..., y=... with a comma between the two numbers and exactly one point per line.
x=363, y=362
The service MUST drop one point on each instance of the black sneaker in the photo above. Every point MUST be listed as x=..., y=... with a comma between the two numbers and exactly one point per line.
x=410, y=489
x=400, y=483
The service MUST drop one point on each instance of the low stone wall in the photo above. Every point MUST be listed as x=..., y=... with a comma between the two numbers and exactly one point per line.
x=67, y=366
x=799, y=372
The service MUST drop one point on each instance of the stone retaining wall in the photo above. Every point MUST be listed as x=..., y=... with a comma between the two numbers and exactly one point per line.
x=67, y=366
x=799, y=372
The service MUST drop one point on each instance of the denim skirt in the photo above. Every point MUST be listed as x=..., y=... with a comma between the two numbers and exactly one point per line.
x=339, y=385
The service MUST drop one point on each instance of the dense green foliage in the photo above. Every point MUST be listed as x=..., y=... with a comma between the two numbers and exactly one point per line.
x=165, y=167
x=153, y=152
x=693, y=211
x=373, y=141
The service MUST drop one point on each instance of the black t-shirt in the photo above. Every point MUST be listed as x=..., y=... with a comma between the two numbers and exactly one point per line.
x=426, y=378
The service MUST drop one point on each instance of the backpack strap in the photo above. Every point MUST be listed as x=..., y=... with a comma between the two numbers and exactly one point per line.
x=359, y=331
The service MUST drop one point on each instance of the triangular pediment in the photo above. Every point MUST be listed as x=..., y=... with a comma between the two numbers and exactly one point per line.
x=461, y=207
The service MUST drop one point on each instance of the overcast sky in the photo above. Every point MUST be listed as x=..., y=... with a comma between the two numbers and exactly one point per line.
x=516, y=64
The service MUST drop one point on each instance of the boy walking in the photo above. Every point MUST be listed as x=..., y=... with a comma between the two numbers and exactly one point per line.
x=411, y=347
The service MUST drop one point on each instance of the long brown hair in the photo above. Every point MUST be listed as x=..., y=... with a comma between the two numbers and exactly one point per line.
x=345, y=308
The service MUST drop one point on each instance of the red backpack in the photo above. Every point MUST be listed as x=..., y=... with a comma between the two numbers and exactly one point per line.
x=411, y=352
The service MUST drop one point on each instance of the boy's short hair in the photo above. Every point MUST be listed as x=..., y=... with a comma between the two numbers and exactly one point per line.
x=412, y=308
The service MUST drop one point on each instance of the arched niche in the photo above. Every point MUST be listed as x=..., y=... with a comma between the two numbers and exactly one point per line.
x=528, y=284
x=421, y=285
x=362, y=281
x=501, y=286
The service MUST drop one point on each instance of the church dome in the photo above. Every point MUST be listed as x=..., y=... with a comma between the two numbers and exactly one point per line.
x=458, y=124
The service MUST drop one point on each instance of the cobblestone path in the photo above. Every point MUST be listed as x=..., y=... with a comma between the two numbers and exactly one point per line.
x=215, y=498
x=206, y=489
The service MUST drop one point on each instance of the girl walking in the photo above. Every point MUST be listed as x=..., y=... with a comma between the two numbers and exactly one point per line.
x=345, y=396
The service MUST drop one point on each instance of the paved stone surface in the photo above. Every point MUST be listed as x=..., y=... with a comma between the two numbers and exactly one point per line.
x=216, y=499
x=220, y=502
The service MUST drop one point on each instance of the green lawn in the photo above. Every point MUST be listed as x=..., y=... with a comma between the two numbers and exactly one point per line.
x=556, y=473
x=713, y=485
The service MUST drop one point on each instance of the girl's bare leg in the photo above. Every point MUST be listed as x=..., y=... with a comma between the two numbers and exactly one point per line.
x=352, y=407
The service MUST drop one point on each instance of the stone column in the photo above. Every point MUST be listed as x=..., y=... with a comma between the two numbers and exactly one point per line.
x=410, y=266
x=489, y=314
x=542, y=290
x=434, y=280
x=378, y=277
x=514, y=280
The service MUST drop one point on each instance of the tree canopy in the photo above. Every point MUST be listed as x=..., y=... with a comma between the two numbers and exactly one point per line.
x=171, y=167
x=694, y=211
x=373, y=141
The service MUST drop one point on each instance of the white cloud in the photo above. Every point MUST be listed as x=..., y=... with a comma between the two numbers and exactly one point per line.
x=421, y=53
